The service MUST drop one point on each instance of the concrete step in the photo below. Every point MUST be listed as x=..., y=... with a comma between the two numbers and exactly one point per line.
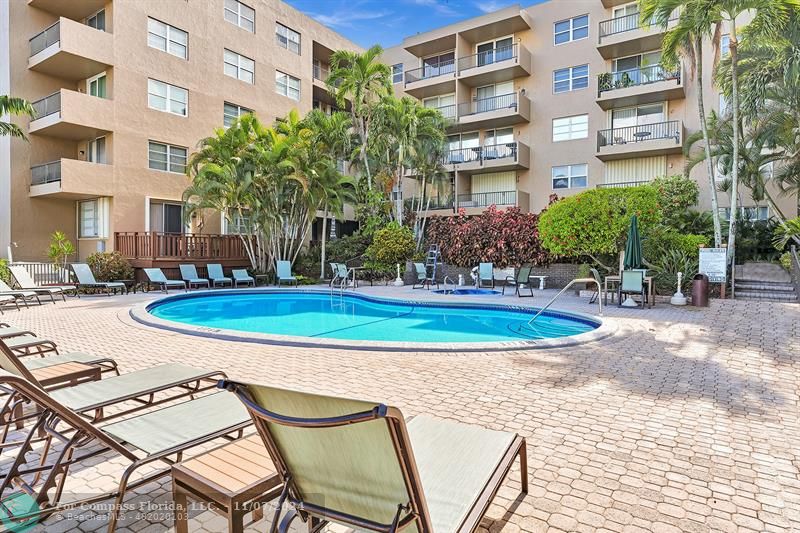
x=772, y=296
x=752, y=285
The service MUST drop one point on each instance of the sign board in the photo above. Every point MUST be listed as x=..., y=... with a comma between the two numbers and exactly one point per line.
x=714, y=264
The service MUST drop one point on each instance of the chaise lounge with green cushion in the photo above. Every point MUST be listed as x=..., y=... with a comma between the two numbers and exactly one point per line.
x=7, y=331
x=283, y=273
x=217, y=275
x=12, y=347
x=25, y=282
x=240, y=276
x=359, y=464
x=86, y=280
x=192, y=279
x=155, y=276
x=22, y=296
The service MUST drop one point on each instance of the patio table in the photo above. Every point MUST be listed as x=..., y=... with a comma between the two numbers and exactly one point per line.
x=541, y=280
x=615, y=279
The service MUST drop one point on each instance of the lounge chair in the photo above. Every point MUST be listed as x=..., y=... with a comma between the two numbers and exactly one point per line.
x=631, y=282
x=29, y=344
x=240, y=276
x=155, y=276
x=359, y=464
x=86, y=280
x=520, y=281
x=25, y=282
x=217, y=276
x=6, y=299
x=189, y=275
x=156, y=436
x=21, y=296
x=283, y=273
x=422, y=280
x=7, y=331
x=485, y=274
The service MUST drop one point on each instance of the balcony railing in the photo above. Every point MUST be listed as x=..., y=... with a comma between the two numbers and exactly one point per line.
x=621, y=185
x=48, y=37
x=46, y=173
x=436, y=202
x=609, y=81
x=431, y=70
x=157, y=245
x=626, y=23
x=640, y=133
x=485, y=199
x=488, y=57
x=484, y=105
x=481, y=154
x=47, y=105
x=448, y=112
x=321, y=73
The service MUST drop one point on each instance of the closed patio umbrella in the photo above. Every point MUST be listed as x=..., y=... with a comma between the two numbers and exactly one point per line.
x=633, y=253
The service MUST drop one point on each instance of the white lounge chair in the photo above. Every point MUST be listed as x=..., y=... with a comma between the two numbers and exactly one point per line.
x=86, y=280
x=25, y=282
x=22, y=296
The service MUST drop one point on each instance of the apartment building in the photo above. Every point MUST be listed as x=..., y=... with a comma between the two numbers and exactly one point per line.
x=123, y=91
x=555, y=98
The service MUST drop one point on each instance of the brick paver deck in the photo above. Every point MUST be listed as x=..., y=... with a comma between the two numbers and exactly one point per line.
x=685, y=420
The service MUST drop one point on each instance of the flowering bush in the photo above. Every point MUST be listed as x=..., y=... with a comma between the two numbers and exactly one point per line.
x=392, y=244
x=506, y=238
x=109, y=266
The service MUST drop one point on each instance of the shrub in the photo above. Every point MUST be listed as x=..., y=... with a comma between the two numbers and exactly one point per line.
x=660, y=239
x=107, y=266
x=347, y=248
x=5, y=273
x=667, y=267
x=60, y=248
x=676, y=193
x=507, y=238
x=595, y=222
x=392, y=244
x=786, y=262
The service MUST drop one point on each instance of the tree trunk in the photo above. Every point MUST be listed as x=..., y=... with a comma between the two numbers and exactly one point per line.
x=324, y=240
x=712, y=183
x=735, y=170
x=363, y=150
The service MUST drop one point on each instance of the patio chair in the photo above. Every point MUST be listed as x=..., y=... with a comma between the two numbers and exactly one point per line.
x=106, y=364
x=7, y=331
x=240, y=276
x=520, y=281
x=86, y=280
x=6, y=299
x=155, y=276
x=157, y=436
x=25, y=282
x=361, y=465
x=283, y=273
x=631, y=282
x=21, y=296
x=217, y=276
x=189, y=275
x=485, y=274
x=423, y=280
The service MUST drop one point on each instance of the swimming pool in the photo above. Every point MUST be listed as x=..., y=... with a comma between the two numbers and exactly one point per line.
x=355, y=320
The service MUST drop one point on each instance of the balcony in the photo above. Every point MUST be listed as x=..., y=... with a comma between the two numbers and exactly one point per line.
x=476, y=202
x=431, y=79
x=622, y=184
x=644, y=140
x=495, y=112
x=495, y=157
x=450, y=113
x=74, y=10
x=71, y=179
x=639, y=86
x=495, y=66
x=437, y=203
x=148, y=248
x=71, y=50
x=72, y=115
x=625, y=36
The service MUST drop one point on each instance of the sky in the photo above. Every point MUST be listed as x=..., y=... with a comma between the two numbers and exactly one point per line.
x=386, y=22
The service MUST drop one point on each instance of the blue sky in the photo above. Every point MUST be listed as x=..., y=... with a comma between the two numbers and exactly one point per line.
x=386, y=22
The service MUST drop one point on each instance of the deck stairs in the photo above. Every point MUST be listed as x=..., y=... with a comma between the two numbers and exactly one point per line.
x=765, y=282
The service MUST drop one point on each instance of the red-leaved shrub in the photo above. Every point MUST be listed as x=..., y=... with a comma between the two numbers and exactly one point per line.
x=507, y=238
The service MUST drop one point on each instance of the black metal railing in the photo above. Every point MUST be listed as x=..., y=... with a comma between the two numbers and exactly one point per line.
x=609, y=81
x=488, y=57
x=47, y=105
x=436, y=202
x=621, y=184
x=626, y=23
x=431, y=70
x=481, y=154
x=46, y=38
x=46, y=173
x=485, y=199
x=640, y=133
x=448, y=112
x=484, y=105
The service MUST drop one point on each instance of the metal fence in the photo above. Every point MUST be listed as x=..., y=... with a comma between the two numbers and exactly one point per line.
x=621, y=184
x=627, y=23
x=431, y=70
x=622, y=79
x=485, y=199
x=48, y=37
x=47, y=105
x=480, y=154
x=45, y=273
x=46, y=173
x=640, y=133
x=488, y=57
x=484, y=105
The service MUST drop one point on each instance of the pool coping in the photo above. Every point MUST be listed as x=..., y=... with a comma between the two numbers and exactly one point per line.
x=140, y=314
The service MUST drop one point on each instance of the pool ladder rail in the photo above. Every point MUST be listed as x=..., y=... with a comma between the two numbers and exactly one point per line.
x=453, y=283
x=562, y=291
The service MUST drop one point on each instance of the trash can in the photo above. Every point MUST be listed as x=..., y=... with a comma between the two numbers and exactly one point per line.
x=700, y=290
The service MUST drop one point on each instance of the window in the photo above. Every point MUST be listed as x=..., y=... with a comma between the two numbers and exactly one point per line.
x=570, y=128
x=439, y=64
x=570, y=176
x=287, y=38
x=97, y=21
x=495, y=51
x=241, y=15
x=167, y=38
x=570, y=79
x=96, y=150
x=446, y=104
x=168, y=98
x=96, y=86
x=751, y=214
x=573, y=29
x=167, y=157
x=287, y=85
x=497, y=96
x=725, y=45
x=638, y=116
x=231, y=112
x=88, y=219
x=166, y=217
x=239, y=67
x=239, y=223
x=397, y=73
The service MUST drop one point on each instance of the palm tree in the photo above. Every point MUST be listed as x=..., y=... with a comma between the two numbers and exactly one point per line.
x=10, y=105
x=427, y=161
x=685, y=39
x=362, y=80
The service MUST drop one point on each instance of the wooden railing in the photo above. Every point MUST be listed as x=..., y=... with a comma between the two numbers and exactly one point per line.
x=156, y=245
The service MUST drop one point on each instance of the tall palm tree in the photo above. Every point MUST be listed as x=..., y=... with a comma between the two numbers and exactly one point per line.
x=10, y=105
x=685, y=40
x=363, y=80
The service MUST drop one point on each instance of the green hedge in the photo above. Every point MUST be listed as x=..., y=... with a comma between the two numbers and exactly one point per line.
x=659, y=240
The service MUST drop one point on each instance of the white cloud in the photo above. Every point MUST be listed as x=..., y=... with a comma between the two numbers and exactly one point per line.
x=345, y=18
x=439, y=6
x=488, y=6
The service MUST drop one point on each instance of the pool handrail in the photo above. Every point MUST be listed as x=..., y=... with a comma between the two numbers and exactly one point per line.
x=562, y=291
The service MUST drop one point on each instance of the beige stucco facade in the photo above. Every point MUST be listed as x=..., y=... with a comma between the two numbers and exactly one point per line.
x=125, y=193
x=519, y=55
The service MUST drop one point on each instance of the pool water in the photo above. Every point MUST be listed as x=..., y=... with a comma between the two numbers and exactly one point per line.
x=459, y=292
x=355, y=317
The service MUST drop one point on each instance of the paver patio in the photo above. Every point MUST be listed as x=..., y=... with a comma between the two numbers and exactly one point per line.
x=685, y=420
